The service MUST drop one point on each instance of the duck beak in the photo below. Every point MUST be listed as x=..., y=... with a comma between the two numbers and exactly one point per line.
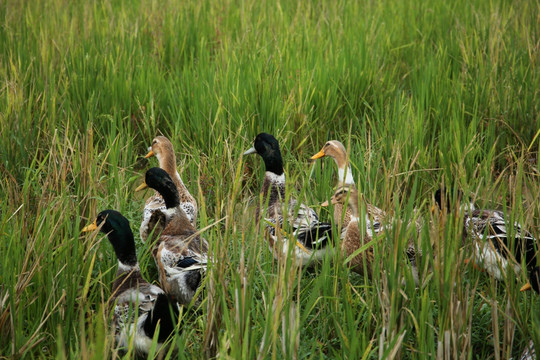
x=332, y=201
x=141, y=187
x=526, y=287
x=250, y=151
x=318, y=155
x=150, y=154
x=90, y=227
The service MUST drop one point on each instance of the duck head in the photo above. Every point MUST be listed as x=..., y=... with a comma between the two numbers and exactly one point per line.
x=118, y=230
x=268, y=148
x=159, y=180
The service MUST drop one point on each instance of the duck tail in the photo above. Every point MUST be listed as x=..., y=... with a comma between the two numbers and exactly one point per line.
x=165, y=312
x=316, y=237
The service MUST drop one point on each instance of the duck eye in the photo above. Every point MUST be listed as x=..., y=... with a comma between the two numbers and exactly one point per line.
x=154, y=142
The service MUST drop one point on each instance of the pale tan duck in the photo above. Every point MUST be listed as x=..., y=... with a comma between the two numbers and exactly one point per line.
x=352, y=237
x=163, y=150
x=336, y=151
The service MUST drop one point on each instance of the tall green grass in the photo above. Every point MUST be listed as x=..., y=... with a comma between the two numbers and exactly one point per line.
x=426, y=93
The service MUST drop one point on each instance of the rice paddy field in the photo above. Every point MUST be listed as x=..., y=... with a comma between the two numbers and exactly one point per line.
x=424, y=94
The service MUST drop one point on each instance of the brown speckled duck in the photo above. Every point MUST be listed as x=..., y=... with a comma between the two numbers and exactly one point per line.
x=376, y=221
x=354, y=238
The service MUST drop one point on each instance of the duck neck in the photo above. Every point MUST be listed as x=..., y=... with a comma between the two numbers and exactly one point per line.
x=124, y=247
x=274, y=185
x=345, y=176
x=273, y=162
x=353, y=204
x=167, y=162
x=171, y=197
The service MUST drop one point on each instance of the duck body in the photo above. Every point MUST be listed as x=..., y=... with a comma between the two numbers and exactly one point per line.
x=493, y=248
x=302, y=219
x=487, y=228
x=130, y=290
x=353, y=236
x=180, y=253
x=492, y=244
x=137, y=305
x=162, y=149
x=310, y=238
x=182, y=261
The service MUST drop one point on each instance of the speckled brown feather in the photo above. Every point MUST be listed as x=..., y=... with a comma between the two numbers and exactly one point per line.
x=170, y=251
x=486, y=232
x=177, y=241
x=339, y=215
x=353, y=238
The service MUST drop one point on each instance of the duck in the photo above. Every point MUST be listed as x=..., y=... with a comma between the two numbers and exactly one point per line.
x=131, y=293
x=312, y=238
x=178, y=249
x=335, y=150
x=488, y=230
x=354, y=238
x=375, y=223
x=163, y=150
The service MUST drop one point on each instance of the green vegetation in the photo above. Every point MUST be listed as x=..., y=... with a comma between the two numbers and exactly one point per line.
x=427, y=92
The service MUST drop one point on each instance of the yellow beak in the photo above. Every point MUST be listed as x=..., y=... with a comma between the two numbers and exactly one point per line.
x=318, y=155
x=141, y=187
x=150, y=154
x=326, y=203
x=90, y=227
x=526, y=287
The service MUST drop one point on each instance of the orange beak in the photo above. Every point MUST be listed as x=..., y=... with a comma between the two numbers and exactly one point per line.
x=526, y=287
x=141, y=187
x=90, y=227
x=150, y=154
x=318, y=155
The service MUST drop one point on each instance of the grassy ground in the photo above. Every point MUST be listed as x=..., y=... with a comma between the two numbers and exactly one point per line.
x=426, y=92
